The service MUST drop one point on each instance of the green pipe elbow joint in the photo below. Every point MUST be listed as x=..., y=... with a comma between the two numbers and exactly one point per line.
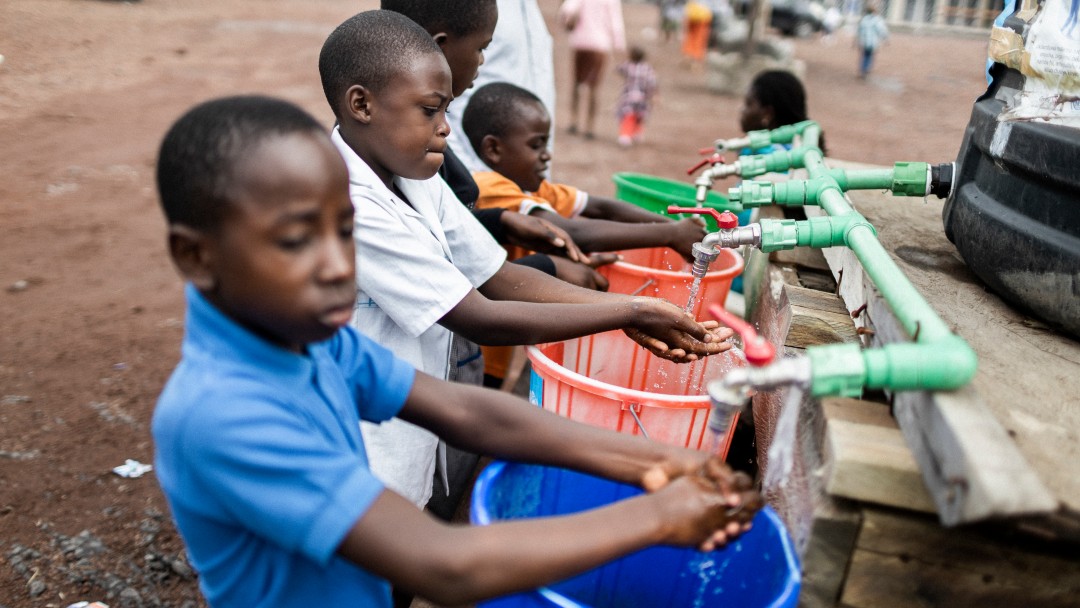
x=845, y=369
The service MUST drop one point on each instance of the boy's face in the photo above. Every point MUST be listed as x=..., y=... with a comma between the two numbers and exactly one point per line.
x=523, y=153
x=465, y=54
x=408, y=120
x=281, y=263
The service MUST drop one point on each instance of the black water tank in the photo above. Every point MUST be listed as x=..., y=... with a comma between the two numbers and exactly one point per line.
x=1014, y=212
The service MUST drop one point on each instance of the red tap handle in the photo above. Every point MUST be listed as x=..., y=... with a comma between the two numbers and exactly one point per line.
x=709, y=150
x=758, y=351
x=712, y=160
x=726, y=220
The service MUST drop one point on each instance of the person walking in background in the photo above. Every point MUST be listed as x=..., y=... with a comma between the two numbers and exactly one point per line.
x=870, y=34
x=698, y=19
x=596, y=29
x=639, y=86
x=671, y=15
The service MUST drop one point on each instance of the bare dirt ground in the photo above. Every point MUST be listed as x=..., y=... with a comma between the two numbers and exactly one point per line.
x=91, y=310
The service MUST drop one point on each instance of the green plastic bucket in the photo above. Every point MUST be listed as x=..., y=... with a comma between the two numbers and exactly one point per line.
x=657, y=193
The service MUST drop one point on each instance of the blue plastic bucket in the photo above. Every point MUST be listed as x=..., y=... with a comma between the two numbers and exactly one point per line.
x=756, y=570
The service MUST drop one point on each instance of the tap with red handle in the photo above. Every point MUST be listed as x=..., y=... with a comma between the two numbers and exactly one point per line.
x=759, y=352
x=729, y=236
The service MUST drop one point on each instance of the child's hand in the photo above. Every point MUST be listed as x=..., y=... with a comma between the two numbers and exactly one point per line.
x=683, y=234
x=582, y=275
x=669, y=332
x=540, y=235
x=700, y=511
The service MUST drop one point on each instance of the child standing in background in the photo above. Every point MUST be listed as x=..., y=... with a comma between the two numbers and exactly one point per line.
x=639, y=86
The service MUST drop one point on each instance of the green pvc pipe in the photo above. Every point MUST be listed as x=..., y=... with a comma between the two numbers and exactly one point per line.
x=936, y=359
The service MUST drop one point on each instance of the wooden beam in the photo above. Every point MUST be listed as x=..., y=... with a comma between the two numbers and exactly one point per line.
x=866, y=458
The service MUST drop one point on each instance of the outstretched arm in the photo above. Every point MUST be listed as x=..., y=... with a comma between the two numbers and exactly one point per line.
x=606, y=235
x=600, y=207
x=521, y=305
x=688, y=506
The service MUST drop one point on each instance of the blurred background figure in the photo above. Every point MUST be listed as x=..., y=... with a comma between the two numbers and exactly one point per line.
x=870, y=34
x=596, y=29
x=697, y=19
x=671, y=17
x=635, y=99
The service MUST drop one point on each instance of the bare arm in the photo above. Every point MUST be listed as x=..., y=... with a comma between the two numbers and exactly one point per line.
x=521, y=305
x=604, y=208
x=608, y=235
x=460, y=564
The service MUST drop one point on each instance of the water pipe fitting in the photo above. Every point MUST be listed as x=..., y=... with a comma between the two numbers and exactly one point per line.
x=941, y=179
x=796, y=192
x=946, y=363
x=774, y=162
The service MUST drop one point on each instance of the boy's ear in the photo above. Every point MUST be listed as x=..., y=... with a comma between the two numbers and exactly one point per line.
x=192, y=253
x=441, y=38
x=490, y=150
x=358, y=100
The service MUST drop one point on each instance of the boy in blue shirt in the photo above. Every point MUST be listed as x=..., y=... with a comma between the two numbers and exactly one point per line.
x=258, y=448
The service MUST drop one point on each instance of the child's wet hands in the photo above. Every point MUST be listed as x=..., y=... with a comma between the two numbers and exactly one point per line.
x=669, y=332
x=698, y=513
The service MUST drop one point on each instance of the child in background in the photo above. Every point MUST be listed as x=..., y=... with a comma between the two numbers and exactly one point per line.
x=697, y=25
x=257, y=441
x=425, y=266
x=774, y=99
x=635, y=98
x=508, y=128
x=871, y=33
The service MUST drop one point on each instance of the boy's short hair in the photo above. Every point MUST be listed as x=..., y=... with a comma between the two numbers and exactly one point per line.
x=369, y=49
x=493, y=110
x=458, y=17
x=196, y=166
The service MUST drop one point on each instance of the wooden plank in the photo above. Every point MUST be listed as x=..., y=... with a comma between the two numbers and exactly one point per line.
x=902, y=560
x=1009, y=443
x=804, y=257
x=872, y=463
x=817, y=318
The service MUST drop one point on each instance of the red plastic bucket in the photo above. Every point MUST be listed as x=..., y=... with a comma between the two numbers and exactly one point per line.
x=662, y=273
x=610, y=381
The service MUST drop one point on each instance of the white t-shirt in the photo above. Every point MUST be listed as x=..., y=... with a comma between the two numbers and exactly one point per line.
x=413, y=265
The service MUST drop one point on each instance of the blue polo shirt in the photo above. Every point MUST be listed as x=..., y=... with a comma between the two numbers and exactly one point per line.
x=259, y=453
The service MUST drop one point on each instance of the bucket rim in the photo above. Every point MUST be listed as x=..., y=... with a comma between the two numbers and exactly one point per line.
x=617, y=393
x=729, y=272
x=479, y=514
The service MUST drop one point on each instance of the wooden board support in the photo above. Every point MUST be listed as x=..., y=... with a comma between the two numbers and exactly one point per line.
x=866, y=458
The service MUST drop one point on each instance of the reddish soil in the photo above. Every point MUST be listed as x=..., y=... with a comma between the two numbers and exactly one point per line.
x=91, y=308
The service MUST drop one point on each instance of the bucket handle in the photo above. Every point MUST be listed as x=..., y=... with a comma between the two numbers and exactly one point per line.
x=634, y=407
x=642, y=287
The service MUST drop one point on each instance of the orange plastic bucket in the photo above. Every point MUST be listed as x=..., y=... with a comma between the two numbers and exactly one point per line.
x=610, y=381
x=662, y=273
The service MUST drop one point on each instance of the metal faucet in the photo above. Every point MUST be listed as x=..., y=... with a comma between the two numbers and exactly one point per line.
x=730, y=395
x=729, y=236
